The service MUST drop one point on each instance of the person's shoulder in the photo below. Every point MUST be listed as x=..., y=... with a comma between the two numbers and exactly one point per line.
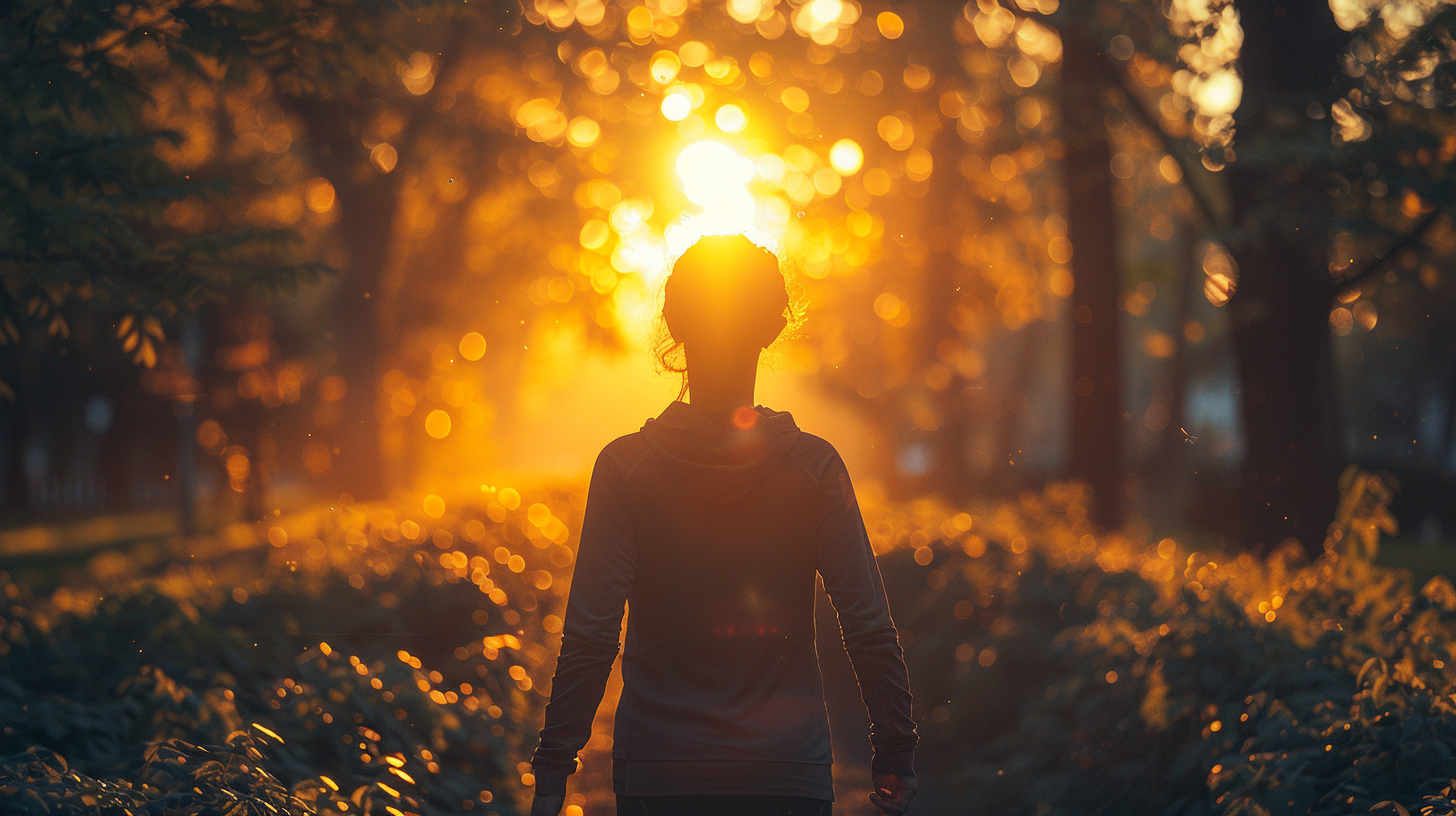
x=815, y=454
x=624, y=451
x=817, y=444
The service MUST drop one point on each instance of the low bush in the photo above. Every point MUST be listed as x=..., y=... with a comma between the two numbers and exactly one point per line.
x=353, y=660
x=1063, y=671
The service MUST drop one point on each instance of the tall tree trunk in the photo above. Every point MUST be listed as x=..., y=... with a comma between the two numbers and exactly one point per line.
x=1287, y=400
x=1280, y=310
x=117, y=451
x=1096, y=455
x=359, y=467
x=368, y=203
x=253, y=435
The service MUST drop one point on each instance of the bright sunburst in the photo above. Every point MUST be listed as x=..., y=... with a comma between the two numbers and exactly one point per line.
x=715, y=177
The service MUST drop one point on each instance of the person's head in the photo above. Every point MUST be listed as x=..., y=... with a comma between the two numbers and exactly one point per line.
x=725, y=301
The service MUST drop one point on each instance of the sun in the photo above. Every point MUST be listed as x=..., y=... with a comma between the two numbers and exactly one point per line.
x=714, y=177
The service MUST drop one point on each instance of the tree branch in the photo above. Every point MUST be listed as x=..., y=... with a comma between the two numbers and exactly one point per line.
x=1406, y=241
x=1206, y=206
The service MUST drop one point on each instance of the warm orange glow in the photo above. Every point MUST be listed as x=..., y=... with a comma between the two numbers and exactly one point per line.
x=437, y=424
x=384, y=157
x=890, y=25
x=472, y=346
x=730, y=119
x=889, y=306
x=746, y=11
x=1218, y=94
x=639, y=22
x=418, y=74
x=822, y=20
x=694, y=53
x=677, y=104
x=318, y=194
x=795, y=99
x=664, y=67
x=846, y=157
x=583, y=132
x=897, y=131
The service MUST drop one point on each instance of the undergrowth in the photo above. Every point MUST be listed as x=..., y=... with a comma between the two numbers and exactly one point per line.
x=392, y=659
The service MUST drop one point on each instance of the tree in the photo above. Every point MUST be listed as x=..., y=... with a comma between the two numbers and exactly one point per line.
x=133, y=203
x=1096, y=433
x=85, y=191
x=1280, y=311
x=86, y=195
x=1339, y=168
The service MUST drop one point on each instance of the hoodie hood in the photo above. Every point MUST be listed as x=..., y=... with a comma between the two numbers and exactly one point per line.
x=720, y=466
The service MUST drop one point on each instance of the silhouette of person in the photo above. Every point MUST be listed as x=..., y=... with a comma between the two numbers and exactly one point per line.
x=710, y=523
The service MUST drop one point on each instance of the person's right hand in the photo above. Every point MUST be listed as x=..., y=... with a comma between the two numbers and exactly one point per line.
x=892, y=793
x=547, y=805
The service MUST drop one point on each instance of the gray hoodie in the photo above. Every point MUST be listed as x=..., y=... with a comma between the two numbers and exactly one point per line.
x=713, y=539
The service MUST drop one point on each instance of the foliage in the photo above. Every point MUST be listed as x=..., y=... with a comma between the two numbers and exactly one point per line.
x=1067, y=672
x=1057, y=669
x=86, y=186
x=341, y=657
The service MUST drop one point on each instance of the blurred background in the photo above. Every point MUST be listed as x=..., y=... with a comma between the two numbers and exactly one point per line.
x=1195, y=255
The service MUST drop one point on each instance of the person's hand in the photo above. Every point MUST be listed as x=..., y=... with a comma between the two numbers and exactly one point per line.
x=892, y=793
x=547, y=805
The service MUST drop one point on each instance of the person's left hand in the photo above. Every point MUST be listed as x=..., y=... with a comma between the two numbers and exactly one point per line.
x=547, y=805
x=892, y=793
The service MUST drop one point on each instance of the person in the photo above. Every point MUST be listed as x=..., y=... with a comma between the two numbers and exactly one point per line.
x=710, y=523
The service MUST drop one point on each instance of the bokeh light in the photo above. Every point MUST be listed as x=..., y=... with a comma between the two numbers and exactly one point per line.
x=890, y=25
x=472, y=346
x=677, y=104
x=731, y=119
x=846, y=157
x=664, y=67
x=583, y=132
x=437, y=424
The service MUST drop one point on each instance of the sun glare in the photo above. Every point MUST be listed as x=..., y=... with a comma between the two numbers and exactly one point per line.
x=715, y=177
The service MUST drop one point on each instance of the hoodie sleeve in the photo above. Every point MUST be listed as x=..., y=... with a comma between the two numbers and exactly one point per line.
x=852, y=579
x=605, y=564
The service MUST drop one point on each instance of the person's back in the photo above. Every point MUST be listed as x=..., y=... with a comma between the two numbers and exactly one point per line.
x=713, y=532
